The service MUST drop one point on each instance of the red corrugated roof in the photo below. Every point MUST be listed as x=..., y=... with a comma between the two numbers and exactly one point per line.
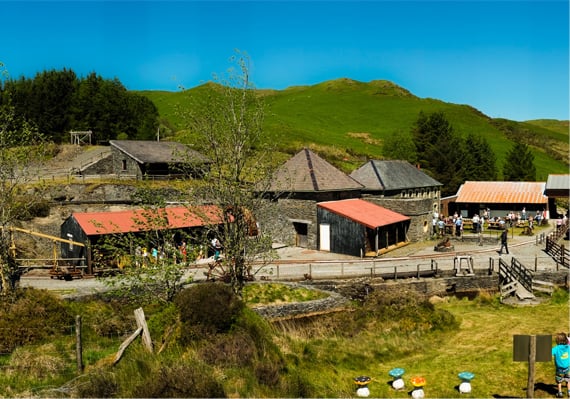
x=364, y=212
x=502, y=192
x=97, y=223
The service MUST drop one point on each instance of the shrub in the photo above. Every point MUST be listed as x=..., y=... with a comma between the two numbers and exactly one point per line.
x=108, y=319
x=37, y=363
x=97, y=384
x=179, y=381
x=29, y=316
x=234, y=349
x=207, y=309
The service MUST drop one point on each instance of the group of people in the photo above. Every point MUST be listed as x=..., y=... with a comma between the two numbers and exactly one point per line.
x=480, y=221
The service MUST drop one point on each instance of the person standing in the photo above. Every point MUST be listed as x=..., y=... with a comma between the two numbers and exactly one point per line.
x=504, y=237
x=561, y=358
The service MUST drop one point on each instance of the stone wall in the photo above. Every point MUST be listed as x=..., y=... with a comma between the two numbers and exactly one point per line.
x=103, y=166
x=130, y=166
x=341, y=291
x=419, y=210
x=290, y=210
x=334, y=301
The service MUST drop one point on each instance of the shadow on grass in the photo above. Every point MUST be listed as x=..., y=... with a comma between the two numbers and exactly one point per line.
x=549, y=389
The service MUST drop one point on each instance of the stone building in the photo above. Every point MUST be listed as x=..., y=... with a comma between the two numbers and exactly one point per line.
x=297, y=186
x=156, y=159
x=401, y=187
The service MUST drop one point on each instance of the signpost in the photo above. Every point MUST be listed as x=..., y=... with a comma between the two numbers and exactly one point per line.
x=532, y=349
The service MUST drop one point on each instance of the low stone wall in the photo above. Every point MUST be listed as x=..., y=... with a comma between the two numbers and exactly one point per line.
x=341, y=291
x=334, y=301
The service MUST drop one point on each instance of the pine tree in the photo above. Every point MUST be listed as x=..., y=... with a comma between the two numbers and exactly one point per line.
x=480, y=160
x=519, y=164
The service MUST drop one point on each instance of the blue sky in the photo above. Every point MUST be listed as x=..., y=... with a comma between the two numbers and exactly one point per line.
x=509, y=59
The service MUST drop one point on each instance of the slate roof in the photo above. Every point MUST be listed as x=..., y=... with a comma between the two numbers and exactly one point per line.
x=502, y=192
x=392, y=175
x=149, y=152
x=307, y=172
x=132, y=221
x=363, y=212
x=557, y=186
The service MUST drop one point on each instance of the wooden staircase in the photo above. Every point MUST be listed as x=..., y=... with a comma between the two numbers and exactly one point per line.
x=516, y=280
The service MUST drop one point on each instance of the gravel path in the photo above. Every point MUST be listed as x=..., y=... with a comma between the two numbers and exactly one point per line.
x=524, y=248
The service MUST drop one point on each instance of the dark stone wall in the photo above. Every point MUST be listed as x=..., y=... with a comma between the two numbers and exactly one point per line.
x=281, y=225
x=131, y=166
x=420, y=210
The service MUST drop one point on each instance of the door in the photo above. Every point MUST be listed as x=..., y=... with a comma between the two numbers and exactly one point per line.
x=325, y=237
x=301, y=234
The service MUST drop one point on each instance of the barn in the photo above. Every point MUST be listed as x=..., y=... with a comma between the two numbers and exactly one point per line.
x=359, y=228
x=89, y=228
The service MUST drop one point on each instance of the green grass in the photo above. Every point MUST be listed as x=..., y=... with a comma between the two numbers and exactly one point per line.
x=319, y=357
x=272, y=294
x=346, y=122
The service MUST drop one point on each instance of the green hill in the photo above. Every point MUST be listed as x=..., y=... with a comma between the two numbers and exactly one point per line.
x=346, y=122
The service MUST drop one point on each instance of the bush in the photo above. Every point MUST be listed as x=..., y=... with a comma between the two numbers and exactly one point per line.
x=29, y=316
x=207, y=309
x=37, y=363
x=97, y=384
x=179, y=381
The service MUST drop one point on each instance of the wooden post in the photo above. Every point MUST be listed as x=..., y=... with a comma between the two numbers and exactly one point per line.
x=141, y=323
x=78, y=344
x=531, y=364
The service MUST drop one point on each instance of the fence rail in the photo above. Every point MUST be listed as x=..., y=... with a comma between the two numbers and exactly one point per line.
x=557, y=251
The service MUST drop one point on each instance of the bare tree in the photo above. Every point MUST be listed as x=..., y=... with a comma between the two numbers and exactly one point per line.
x=228, y=123
x=21, y=151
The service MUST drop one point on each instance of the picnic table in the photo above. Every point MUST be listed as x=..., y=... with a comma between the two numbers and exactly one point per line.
x=495, y=225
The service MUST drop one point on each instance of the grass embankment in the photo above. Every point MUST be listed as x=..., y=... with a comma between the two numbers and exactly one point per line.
x=199, y=353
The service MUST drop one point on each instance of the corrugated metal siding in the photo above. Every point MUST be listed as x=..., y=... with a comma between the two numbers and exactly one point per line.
x=346, y=236
x=502, y=193
x=558, y=182
x=364, y=212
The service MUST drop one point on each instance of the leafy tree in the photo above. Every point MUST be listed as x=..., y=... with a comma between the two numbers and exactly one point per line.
x=480, y=160
x=57, y=102
x=519, y=164
x=400, y=145
x=228, y=121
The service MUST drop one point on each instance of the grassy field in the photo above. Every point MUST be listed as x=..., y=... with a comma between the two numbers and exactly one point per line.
x=318, y=357
x=483, y=345
x=347, y=121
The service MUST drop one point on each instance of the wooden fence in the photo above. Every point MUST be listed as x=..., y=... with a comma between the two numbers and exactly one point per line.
x=557, y=251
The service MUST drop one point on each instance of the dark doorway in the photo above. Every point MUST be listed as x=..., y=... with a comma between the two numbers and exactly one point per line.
x=301, y=234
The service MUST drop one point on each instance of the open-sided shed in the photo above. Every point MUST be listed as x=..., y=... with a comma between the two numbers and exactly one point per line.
x=500, y=197
x=89, y=228
x=359, y=228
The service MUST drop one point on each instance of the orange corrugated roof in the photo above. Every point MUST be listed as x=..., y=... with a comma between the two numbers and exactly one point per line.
x=364, y=212
x=130, y=221
x=502, y=192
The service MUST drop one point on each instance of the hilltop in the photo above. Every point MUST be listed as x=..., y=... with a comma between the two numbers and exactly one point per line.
x=346, y=121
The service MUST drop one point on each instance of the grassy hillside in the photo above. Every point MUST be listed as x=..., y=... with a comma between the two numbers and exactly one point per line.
x=346, y=121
